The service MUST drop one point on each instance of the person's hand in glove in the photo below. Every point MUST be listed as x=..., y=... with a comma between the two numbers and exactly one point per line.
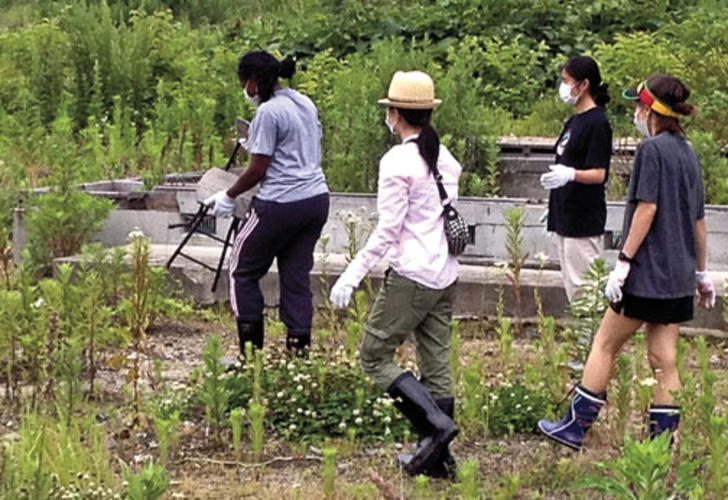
x=222, y=205
x=559, y=176
x=341, y=293
x=705, y=288
x=616, y=280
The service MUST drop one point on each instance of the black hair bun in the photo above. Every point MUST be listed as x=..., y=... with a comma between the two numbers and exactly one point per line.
x=602, y=95
x=288, y=67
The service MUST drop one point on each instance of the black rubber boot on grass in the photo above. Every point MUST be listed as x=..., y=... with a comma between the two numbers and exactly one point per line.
x=435, y=427
x=444, y=467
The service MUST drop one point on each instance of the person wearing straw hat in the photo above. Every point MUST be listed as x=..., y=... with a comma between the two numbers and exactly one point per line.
x=418, y=293
x=661, y=267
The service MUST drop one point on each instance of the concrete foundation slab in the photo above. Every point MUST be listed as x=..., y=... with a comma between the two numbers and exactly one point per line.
x=478, y=289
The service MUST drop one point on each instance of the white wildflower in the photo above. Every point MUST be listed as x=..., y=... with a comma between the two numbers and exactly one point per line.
x=648, y=382
x=136, y=233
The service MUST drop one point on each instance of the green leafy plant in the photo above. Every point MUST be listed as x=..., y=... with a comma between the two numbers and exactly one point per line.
x=329, y=472
x=516, y=258
x=149, y=484
x=257, y=430
x=320, y=398
x=468, y=483
x=511, y=408
x=167, y=429
x=623, y=382
x=213, y=391
x=236, y=423
x=588, y=308
x=548, y=370
x=641, y=472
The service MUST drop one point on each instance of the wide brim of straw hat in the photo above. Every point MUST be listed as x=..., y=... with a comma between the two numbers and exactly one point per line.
x=410, y=104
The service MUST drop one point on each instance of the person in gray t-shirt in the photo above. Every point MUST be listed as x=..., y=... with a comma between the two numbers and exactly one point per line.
x=660, y=268
x=292, y=205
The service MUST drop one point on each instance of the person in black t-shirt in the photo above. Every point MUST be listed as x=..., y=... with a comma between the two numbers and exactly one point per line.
x=660, y=270
x=577, y=202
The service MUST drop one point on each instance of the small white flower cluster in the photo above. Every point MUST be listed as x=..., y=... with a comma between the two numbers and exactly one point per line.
x=89, y=491
x=136, y=233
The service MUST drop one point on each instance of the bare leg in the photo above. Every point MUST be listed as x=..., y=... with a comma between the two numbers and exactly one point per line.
x=662, y=354
x=614, y=331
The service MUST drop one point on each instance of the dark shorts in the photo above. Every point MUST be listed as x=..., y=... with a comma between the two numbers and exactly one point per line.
x=662, y=311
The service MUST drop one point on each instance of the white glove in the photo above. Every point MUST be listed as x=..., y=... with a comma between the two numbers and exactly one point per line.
x=222, y=204
x=616, y=280
x=706, y=289
x=341, y=294
x=559, y=176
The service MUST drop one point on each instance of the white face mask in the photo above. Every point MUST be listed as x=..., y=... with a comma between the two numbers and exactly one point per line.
x=641, y=125
x=565, y=94
x=389, y=125
x=252, y=99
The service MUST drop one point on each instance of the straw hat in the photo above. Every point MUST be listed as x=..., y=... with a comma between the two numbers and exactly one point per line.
x=411, y=90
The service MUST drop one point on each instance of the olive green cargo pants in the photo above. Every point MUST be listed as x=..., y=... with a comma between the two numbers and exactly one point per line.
x=403, y=307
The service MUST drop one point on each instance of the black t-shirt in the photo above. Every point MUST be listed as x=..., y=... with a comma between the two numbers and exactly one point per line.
x=580, y=210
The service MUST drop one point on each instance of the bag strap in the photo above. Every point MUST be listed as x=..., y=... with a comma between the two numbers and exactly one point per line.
x=444, y=199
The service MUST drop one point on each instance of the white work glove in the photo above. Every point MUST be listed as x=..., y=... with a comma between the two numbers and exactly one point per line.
x=616, y=280
x=559, y=176
x=341, y=294
x=705, y=288
x=222, y=204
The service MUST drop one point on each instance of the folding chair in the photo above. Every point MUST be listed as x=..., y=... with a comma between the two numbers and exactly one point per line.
x=212, y=181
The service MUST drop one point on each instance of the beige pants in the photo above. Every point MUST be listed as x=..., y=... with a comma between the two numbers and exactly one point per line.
x=575, y=257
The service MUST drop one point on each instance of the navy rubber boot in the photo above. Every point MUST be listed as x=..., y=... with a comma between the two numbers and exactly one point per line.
x=663, y=418
x=580, y=416
x=430, y=422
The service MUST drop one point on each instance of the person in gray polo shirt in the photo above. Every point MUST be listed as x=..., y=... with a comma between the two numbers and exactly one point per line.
x=661, y=268
x=292, y=205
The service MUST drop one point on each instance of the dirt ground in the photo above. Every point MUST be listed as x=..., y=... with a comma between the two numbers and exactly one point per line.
x=521, y=466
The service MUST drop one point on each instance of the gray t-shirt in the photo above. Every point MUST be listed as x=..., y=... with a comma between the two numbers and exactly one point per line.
x=666, y=172
x=287, y=128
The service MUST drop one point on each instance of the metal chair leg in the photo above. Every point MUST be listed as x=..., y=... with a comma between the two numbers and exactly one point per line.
x=196, y=221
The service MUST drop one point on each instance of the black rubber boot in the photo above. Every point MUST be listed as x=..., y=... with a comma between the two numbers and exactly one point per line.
x=298, y=343
x=250, y=331
x=444, y=467
x=436, y=428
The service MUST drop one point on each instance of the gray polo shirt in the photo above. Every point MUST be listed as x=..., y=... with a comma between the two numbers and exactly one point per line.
x=287, y=128
x=666, y=172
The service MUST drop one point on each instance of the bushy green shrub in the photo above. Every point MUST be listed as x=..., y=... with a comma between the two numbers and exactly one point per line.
x=514, y=408
x=714, y=164
x=319, y=398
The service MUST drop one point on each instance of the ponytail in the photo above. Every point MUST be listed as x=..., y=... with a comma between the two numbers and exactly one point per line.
x=266, y=70
x=428, y=142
